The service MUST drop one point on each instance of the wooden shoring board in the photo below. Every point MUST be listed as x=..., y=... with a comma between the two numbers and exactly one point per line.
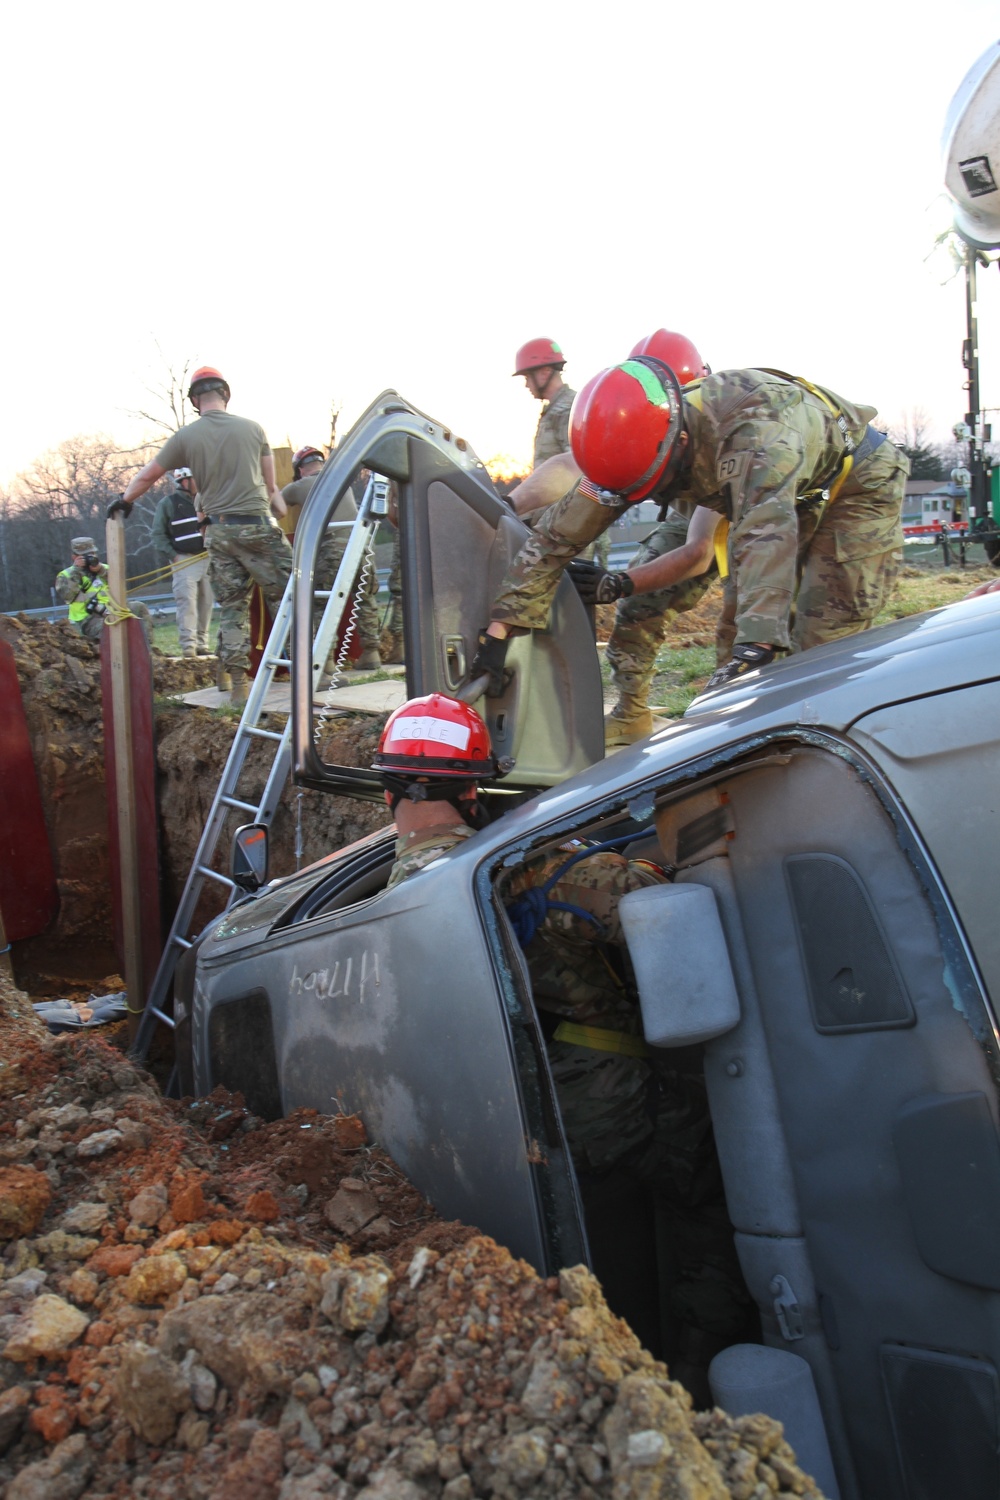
x=29, y=896
x=140, y=810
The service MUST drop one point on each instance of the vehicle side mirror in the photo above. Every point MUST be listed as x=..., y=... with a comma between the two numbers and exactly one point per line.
x=678, y=950
x=248, y=862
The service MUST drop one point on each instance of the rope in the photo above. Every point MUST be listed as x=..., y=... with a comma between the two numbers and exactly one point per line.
x=167, y=569
x=116, y=613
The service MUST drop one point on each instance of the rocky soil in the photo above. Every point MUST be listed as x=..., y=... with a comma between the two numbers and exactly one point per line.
x=197, y=1304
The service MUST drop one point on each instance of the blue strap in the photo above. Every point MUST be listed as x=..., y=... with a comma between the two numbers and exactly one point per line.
x=529, y=911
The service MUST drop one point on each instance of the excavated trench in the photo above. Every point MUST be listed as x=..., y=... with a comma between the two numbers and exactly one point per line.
x=199, y=1305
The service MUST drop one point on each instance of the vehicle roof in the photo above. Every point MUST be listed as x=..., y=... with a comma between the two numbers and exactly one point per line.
x=829, y=687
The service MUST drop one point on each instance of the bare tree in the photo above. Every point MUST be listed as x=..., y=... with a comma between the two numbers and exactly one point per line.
x=63, y=494
x=166, y=410
x=336, y=407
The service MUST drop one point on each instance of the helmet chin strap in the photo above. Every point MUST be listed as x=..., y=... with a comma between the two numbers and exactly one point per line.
x=471, y=810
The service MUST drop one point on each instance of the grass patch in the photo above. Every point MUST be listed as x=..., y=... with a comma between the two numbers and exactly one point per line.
x=166, y=639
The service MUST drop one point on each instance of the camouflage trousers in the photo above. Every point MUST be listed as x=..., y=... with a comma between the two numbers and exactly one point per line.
x=801, y=572
x=331, y=550
x=91, y=628
x=641, y=621
x=239, y=557
x=673, y=1167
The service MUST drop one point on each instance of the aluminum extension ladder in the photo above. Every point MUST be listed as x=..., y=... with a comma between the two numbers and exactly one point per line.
x=358, y=557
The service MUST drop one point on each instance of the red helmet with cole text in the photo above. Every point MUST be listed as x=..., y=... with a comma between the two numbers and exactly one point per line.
x=625, y=427
x=207, y=378
x=537, y=353
x=436, y=736
x=303, y=456
x=675, y=350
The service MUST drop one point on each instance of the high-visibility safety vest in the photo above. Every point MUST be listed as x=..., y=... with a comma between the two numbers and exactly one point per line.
x=185, y=529
x=91, y=587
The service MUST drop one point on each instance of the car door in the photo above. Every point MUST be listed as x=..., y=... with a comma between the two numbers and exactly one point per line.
x=457, y=540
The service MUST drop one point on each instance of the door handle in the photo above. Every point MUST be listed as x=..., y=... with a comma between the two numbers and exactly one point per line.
x=454, y=661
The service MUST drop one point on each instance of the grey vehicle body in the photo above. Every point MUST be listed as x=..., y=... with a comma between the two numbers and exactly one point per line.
x=842, y=807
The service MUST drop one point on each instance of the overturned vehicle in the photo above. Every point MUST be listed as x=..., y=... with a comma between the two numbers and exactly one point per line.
x=822, y=956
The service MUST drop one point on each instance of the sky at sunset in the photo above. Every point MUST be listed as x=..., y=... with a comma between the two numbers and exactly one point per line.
x=325, y=202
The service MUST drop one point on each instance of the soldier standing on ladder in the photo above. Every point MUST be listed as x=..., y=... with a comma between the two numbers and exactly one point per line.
x=233, y=468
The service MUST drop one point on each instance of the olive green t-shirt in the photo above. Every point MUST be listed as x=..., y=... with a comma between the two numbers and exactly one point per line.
x=223, y=453
x=297, y=493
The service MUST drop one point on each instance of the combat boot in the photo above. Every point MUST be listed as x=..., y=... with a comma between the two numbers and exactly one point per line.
x=241, y=684
x=619, y=731
x=223, y=681
x=369, y=660
x=189, y=652
x=393, y=656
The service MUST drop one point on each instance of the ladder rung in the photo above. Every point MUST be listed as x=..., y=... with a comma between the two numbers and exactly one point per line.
x=278, y=661
x=214, y=874
x=263, y=734
x=182, y=942
x=250, y=807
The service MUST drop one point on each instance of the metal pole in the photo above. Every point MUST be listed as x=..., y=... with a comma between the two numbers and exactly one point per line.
x=979, y=500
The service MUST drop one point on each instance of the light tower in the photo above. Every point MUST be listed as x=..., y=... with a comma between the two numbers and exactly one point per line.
x=970, y=148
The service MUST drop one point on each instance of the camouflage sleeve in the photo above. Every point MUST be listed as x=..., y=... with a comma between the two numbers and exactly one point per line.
x=762, y=463
x=69, y=585
x=561, y=533
x=552, y=434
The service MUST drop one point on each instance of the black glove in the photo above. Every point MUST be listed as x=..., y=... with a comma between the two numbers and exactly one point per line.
x=745, y=659
x=596, y=585
x=94, y=606
x=488, y=662
x=122, y=505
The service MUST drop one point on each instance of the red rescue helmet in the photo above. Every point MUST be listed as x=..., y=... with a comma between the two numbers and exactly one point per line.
x=207, y=378
x=675, y=350
x=436, y=736
x=625, y=426
x=537, y=353
x=304, y=455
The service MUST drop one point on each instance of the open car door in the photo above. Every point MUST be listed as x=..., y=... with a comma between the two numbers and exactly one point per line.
x=457, y=540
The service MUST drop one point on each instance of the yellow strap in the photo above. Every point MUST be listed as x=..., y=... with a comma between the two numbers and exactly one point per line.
x=720, y=543
x=845, y=469
x=692, y=393
x=599, y=1040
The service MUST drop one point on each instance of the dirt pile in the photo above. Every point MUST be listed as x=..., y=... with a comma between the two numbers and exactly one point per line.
x=196, y=1304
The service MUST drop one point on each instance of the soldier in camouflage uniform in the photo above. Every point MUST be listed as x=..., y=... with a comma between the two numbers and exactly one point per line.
x=640, y=625
x=812, y=494
x=307, y=465
x=631, y=1117
x=233, y=468
x=540, y=362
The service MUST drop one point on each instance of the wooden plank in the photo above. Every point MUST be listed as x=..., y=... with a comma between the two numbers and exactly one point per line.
x=118, y=734
x=29, y=896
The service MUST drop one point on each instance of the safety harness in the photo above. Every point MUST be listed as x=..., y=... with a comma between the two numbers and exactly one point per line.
x=828, y=488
